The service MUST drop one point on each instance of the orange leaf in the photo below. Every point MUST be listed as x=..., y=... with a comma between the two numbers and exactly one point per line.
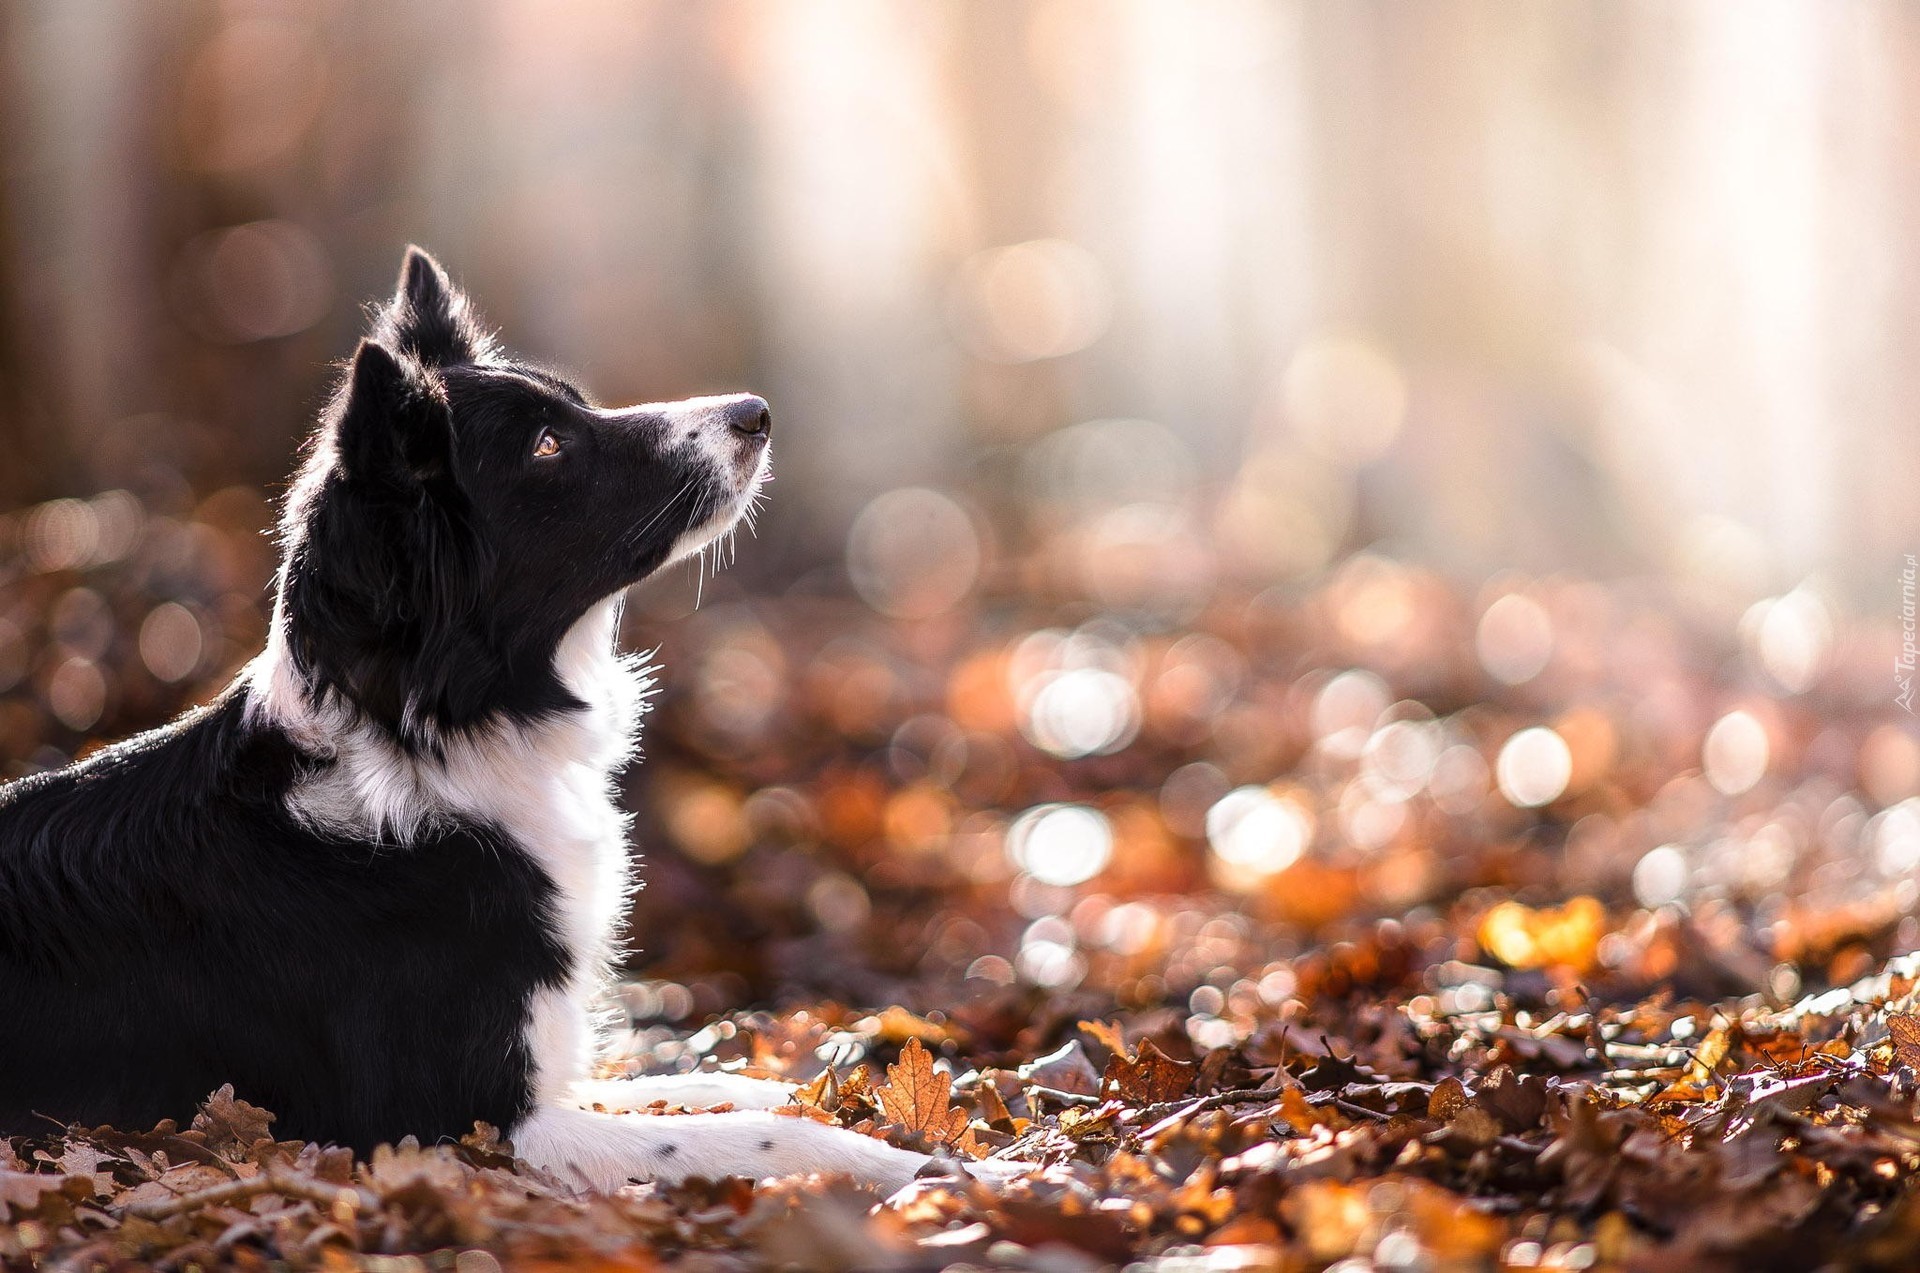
x=857, y=1086
x=1561, y=936
x=1151, y=1077
x=1906, y=1039
x=1449, y=1098
x=993, y=1109
x=1293, y=1110
x=896, y=1025
x=822, y=1093
x=916, y=1098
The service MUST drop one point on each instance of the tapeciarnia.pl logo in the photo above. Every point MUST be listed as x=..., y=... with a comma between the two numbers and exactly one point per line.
x=1903, y=662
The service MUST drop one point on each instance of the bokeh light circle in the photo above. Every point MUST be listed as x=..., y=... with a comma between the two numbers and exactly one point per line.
x=171, y=642
x=1085, y=711
x=1514, y=639
x=1345, y=398
x=1660, y=877
x=1061, y=844
x=913, y=553
x=1252, y=829
x=1736, y=753
x=1534, y=768
x=1044, y=298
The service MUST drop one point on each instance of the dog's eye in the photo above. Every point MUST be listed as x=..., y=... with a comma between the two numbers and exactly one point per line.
x=547, y=447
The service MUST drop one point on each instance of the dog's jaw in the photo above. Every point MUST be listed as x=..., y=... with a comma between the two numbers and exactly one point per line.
x=746, y=483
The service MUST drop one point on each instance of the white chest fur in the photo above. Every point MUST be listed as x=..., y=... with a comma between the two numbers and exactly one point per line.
x=550, y=786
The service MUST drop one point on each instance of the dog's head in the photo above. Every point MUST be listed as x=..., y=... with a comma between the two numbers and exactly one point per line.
x=461, y=510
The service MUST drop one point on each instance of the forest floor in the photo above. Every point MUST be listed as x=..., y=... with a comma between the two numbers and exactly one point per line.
x=1372, y=926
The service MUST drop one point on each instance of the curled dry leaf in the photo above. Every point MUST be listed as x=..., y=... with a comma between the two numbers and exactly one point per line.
x=993, y=1109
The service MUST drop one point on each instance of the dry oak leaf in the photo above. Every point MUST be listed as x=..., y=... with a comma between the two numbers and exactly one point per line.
x=49, y=1197
x=1107, y=1034
x=1293, y=1110
x=1474, y=1125
x=816, y=1100
x=230, y=1123
x=1151, y=1077
x=822, y=1093
x=1905, y=1030
x=1449, y=1098
x=918, y=1099
x=857, y=1087
x=994, y=1109
x=895, y=1024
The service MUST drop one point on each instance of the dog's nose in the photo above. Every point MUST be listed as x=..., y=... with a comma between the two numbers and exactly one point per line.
x=749, y=415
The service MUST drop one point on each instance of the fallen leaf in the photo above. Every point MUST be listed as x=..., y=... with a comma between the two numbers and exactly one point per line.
x=230, y=1124
x=918, y=1098
x=1107, y=1034
x=895, y=1024
x=1905, y=1030
x=1449, y=1098
x=1065, y=1069
x=1149, y=1077
x=993, y=1109
x=1561, y=936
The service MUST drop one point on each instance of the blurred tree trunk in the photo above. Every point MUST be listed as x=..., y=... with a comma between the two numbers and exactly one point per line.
x=33, y=461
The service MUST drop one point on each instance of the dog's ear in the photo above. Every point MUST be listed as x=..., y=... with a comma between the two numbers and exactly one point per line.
x=429, y=318
x=394, y=424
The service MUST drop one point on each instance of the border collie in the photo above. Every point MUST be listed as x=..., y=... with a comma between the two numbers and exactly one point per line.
x=378, y=883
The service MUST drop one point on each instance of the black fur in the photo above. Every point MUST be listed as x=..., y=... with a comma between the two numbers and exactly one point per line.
x=166, y=927
x=167, y=924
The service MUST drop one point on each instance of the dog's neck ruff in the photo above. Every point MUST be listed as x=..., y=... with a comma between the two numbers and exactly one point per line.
x=548, y=785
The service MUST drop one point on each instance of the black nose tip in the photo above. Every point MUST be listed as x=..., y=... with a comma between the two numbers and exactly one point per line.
x=750, y=416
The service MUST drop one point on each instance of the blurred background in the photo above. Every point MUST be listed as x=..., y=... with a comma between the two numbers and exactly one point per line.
x=1357, y=451
x=1609, y=286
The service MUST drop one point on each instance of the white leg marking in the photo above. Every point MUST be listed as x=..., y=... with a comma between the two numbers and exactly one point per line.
x=595, y=1151
x=694, y=1091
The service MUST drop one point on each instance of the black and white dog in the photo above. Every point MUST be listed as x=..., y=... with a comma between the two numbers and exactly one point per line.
x=378, y=883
